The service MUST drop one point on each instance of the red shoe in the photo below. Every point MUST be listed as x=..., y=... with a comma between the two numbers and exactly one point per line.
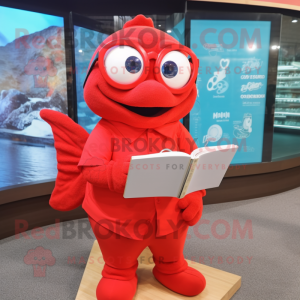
x=112, y=289
x=188, y=283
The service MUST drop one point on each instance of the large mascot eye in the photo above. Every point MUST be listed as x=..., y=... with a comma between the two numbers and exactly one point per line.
x=175, y=69
x=133, y=64
x=123, y=64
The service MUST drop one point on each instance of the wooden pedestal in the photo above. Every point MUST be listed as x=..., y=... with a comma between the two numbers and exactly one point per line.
x=220, y=285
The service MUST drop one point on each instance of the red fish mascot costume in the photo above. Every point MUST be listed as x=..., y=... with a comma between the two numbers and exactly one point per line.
x=141, y=82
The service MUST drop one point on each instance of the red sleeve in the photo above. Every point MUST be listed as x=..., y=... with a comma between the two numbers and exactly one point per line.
x=96, y=156
x=98, y=168
x=97, y=150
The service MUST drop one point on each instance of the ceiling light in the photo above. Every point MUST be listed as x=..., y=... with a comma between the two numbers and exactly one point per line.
x=295, y=21
x=169, y=31
x=80, y=50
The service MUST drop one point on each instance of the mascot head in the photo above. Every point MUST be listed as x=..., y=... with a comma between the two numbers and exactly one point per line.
x=142, y=77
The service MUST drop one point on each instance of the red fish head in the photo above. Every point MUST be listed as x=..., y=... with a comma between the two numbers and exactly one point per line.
x=142, y=77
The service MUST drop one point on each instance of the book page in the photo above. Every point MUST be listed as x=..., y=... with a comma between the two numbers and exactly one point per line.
x=211, y=167
x=160, y=175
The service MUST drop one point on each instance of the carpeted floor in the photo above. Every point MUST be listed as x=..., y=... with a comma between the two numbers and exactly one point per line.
x=265, y=251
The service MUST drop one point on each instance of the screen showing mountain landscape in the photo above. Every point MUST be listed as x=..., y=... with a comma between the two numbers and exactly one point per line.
x=32, y=77
x=86, y=42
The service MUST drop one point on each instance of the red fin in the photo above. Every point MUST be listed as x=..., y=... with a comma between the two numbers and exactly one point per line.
x=69, y=140
x=139, y=20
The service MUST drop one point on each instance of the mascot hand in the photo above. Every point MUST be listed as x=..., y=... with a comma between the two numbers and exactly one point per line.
x=117, y=175
x=192, y=206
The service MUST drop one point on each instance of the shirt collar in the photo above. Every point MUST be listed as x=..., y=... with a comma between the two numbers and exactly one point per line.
x=132, y=133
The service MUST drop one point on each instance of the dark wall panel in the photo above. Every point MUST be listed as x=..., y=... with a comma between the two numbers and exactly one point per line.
x=36, y=212
x=94, y=8
x=255, y=186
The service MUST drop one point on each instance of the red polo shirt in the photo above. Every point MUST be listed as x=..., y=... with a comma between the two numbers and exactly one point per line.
x=132, y=217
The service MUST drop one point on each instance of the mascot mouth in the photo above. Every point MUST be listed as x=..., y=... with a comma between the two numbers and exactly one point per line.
x=144, y=111
x=147, y=111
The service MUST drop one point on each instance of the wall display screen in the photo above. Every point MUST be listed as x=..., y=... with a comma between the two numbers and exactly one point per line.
x=231, y=84
x=32, y=77
x=86, y=42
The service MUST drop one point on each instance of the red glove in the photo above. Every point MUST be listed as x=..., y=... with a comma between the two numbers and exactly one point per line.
x=117, y=175
x=192, y=206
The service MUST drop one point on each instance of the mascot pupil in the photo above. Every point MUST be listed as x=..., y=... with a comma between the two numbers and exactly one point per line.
x=141, y=83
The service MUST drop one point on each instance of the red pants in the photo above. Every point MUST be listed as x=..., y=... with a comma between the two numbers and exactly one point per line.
x=120, y=254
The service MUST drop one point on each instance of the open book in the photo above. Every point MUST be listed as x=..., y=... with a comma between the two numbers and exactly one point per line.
x=176, y=174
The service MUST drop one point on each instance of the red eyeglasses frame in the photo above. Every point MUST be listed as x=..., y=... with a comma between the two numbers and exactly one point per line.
x=136, y=44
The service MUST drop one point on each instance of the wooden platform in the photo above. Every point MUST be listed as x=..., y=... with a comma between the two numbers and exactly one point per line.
x=220, y=285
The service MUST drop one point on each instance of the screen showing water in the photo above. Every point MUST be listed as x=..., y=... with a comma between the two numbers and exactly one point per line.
x=32, y=77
